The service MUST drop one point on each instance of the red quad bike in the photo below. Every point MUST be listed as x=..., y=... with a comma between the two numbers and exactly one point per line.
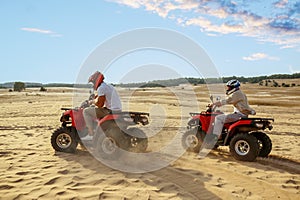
x=245, y=137
x=113, y=132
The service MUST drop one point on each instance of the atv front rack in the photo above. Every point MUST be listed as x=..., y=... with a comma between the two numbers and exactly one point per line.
x=194, y=113
x=66, y=108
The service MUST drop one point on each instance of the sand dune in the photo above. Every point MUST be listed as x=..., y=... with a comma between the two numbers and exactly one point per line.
x=31, y=169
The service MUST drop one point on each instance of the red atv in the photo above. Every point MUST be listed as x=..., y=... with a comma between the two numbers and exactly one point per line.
x=245, y=137
x=113, y=132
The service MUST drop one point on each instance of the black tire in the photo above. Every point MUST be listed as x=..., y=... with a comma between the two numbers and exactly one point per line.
x=64, y=140
x=264, y=143
x=110, y=145
x=191, y=140
x=138, y=140
x=244, y=147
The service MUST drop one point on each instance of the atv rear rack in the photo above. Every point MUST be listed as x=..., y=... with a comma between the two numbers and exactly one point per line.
x=129, y=113
x=258, y=119
x=138, y=117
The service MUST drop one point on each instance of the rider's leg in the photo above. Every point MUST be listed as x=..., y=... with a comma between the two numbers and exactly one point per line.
x=102, y=112
x=92, y=113
x=233, y=117
x=89, y=114
x=211, y=139
x=218, y=124
x=220, y=120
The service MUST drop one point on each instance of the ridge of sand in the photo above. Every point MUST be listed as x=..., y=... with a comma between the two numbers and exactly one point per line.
x=31, y=169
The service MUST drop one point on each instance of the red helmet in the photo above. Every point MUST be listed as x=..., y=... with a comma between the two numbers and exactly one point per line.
x=97, y=78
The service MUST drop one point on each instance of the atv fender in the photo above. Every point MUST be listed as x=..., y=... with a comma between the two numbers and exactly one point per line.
x=238, y=124
x=241, y=125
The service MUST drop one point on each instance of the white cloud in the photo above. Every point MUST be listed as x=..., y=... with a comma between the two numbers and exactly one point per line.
x=130, y=3
x=207, y=26
x=255, y=56
x=293, y=71
x=281, y=3
x=259, y=56
x=37, y=30
x=228, y=17
x=43, y=31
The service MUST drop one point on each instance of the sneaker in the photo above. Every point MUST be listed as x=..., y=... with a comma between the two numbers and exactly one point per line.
x=87, y=138
x=203, y=153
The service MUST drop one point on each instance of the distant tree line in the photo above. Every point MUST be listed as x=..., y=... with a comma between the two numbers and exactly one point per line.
x=198, y=81
x=36, y=85
x=274, y=83
x=261, y=80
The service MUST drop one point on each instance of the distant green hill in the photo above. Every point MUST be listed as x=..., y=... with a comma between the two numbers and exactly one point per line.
x=27, y=84
x=167, y=83
x=36, y=85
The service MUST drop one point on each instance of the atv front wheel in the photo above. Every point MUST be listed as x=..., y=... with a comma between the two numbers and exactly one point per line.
x=191, y=140
x=264, y=143
x=244, y=147
x=64, y=140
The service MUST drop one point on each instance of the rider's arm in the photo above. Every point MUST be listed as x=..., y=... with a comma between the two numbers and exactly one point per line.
x=99, y=101
x=228, y=100
x=223, y=102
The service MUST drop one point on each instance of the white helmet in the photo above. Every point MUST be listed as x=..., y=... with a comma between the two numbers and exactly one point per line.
x=233, y=85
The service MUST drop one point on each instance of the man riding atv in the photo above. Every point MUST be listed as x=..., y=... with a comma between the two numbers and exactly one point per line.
x=106, y=101
x=241, y=109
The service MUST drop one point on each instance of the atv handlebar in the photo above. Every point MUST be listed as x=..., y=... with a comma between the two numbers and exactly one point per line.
x=211, y=108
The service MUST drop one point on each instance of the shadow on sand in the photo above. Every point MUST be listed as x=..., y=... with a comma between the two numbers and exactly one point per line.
x=183, y=183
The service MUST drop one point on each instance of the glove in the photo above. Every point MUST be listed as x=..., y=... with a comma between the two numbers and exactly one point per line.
x=85, y=104
x=218, y=104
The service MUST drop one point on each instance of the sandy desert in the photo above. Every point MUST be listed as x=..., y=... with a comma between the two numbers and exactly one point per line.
x=31, y=169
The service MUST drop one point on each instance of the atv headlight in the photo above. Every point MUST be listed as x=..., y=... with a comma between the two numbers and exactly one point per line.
x=193, y=122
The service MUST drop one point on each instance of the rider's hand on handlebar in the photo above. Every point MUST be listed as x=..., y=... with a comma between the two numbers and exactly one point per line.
x=218, y=104
x=253, y=112
x=91, y=102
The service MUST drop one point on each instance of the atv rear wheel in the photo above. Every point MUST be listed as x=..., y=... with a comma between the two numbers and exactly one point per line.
x=110, y=143
x=244, y=147
x=64, y=140
x=138, y=140
x=264, y=143
x=191, y=140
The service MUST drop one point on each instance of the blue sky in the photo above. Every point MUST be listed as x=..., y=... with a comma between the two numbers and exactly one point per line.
x=48, y=41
